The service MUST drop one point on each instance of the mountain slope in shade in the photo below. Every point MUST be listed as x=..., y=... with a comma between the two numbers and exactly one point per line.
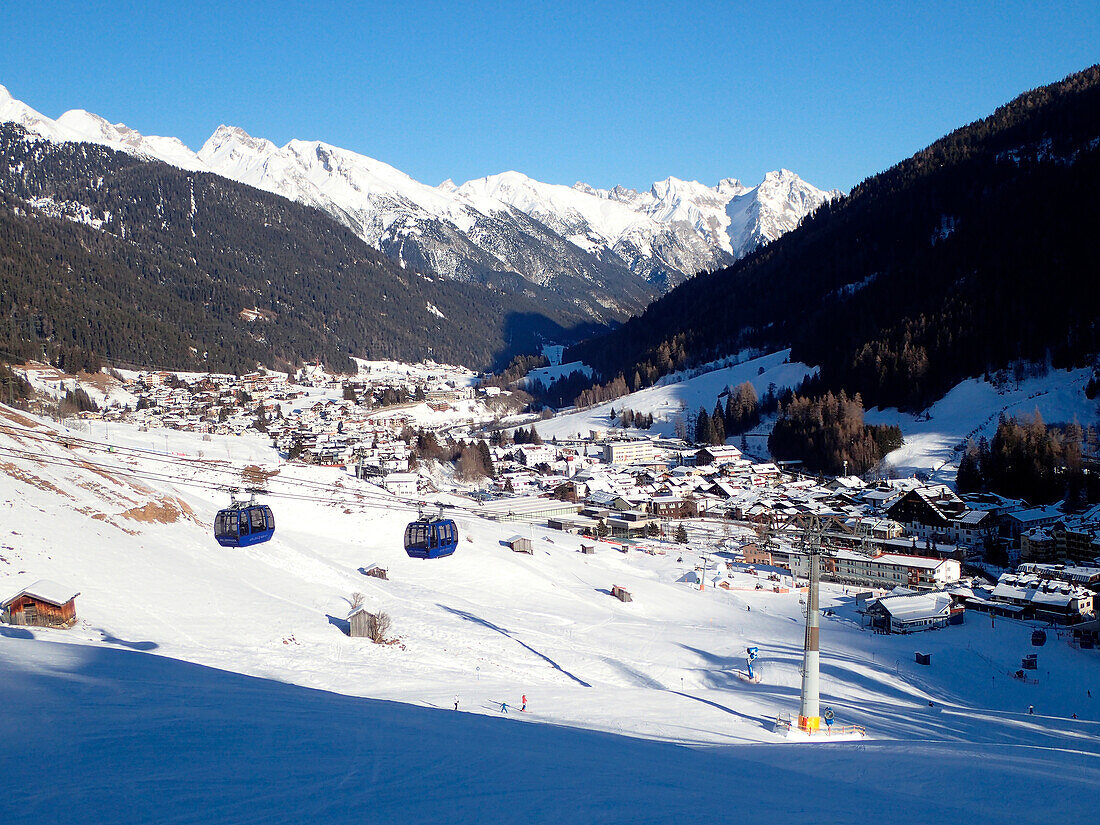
x=609, y=251
x=977, y=252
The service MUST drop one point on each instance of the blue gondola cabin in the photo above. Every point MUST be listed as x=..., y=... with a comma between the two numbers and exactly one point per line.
x=426, y=539
x=244, y=525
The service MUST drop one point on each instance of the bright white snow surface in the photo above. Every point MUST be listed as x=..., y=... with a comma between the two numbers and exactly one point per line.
x=668, y=402
x=548, y=375
x=972, y=410
x=203, y=681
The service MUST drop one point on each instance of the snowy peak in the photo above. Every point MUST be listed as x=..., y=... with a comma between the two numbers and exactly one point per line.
x=79, y=126
x=97, y=129
x=696, y=226
x=773, y=208
x=506, y=222
x=15, y=111
x=784, y=185
x=92, y=128
x=232, y=143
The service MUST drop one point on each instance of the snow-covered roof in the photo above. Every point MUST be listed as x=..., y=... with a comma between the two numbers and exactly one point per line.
x=880, y=495
x=1035, y=514
x=972, y=517
x=909, y=561
x=1031, y=588
x=911, y=607
x=46, y=591
x=849, y=482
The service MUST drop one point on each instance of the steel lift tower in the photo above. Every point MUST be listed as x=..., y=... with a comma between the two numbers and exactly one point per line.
x=809, y=711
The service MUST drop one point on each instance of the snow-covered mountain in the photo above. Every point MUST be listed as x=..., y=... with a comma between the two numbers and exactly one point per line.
x=429, y=229
x=675, y=229
x=612, y=248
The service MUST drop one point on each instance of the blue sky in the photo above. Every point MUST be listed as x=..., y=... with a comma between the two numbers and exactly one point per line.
x=604, y=92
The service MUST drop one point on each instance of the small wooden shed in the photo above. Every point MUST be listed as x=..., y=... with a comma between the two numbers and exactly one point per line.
x=358, y=620
x=520, y=544
x=620, y=594
x=43, y=604
x=377, y=572
x=588, y=549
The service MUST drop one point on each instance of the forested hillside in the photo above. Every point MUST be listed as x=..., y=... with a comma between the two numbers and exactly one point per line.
x=107, y=257
x=979, y=250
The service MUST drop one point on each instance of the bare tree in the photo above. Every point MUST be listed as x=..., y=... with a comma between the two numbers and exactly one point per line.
x=357, y=600
x=378, y=625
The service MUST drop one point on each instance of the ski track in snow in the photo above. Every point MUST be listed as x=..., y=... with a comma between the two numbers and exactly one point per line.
x=195, y=665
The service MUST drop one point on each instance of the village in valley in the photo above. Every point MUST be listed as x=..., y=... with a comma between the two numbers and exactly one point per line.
x=504, y=414
x=913, y=554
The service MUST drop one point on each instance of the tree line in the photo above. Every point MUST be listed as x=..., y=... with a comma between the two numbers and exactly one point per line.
x=828, y=435
x=1029, y=460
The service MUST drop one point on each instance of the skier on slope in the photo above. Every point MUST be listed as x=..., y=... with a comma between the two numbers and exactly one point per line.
x=456, y=703
x=524, y=700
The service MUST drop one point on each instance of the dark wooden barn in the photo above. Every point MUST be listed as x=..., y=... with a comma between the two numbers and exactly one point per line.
x=43, y=604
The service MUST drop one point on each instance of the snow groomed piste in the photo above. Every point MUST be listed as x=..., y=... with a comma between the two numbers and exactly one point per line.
x=259, y=629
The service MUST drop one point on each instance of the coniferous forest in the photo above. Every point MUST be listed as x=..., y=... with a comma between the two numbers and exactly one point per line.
x=1029, y=460
x=106, y=257
x=975, y=252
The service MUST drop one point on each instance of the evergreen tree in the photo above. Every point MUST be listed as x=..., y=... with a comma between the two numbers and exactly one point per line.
x=704, y=428
x=486, y=459
x=969, y=478
x=718, y=426
x=261, y=418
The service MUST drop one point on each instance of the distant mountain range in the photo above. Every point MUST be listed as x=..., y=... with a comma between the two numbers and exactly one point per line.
x=608, y=250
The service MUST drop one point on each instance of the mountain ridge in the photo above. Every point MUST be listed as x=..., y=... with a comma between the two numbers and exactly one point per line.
x=108, y=256
x=656, y=240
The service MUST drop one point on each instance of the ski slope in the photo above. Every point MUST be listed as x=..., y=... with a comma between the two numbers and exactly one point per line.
x=204, y=681
x=673, y=401
x=970, y=410
x=973, y=408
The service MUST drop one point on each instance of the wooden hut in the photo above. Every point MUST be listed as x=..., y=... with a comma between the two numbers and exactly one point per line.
x=358, y=620
x=620, y=594
x=520, y=544
x=377, y=572
x=588, y=549
x=43, y=604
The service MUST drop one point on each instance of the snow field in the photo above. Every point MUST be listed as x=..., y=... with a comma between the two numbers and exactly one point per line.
x=679, y=400
x=184, y=687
